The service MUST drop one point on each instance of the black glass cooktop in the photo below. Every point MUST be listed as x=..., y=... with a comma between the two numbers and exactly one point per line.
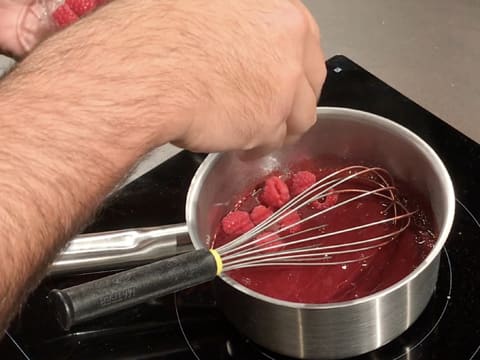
x=189, y=325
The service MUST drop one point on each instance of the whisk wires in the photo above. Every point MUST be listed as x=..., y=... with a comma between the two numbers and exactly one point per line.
x=312, y=246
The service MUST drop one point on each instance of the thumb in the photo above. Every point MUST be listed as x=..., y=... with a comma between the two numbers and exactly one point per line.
x=34, y=24
x=25, y=23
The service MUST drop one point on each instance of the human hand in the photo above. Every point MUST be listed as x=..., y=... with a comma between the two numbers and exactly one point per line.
x=259, y=70
x=24, y=23
x=207, y=75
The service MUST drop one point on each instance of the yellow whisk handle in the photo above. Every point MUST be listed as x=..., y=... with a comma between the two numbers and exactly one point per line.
x=218, y=261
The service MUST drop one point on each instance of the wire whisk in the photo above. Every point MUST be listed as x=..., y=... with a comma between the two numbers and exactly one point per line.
x=310, y=246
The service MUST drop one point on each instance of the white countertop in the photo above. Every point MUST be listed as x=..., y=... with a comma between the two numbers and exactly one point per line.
x=428, y=50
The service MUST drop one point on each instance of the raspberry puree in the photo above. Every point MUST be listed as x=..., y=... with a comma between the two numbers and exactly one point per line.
x=377, y=269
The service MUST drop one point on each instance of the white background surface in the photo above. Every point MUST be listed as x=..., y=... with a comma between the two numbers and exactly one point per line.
x=427, y=49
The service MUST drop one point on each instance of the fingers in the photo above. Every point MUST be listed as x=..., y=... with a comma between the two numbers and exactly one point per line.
x=291, y=111
x=23, y=24
x=302, y=117
x=313, y=26
x=276, y=138
x=303, y=113
x=292, y=139
x=314, y=65
x=314, y=61
x=32, y=27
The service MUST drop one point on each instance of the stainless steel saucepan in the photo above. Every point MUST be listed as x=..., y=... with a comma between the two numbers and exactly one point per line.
x=307, y=331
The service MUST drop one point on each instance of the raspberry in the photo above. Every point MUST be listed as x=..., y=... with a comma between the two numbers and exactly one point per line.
x=301, y=181
x=260, y=213
x=82, y=7
x=289, y=220
x=329, y=201
x=236, y=223
x=275, y=192
x=270, y=240
x=64, y=16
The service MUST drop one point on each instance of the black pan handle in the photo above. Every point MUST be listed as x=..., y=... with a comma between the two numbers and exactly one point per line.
x=132, y=287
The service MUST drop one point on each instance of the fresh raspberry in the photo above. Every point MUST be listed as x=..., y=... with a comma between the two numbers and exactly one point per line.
x=289, y=220
x=82, y=7
x=260, y=213
x=275, y=192
x=64, y=16
x=270, y=240
x=236, y=223
x=329, y=201
x=301, y=181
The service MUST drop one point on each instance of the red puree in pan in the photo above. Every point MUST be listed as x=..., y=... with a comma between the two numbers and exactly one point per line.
x=378, y=268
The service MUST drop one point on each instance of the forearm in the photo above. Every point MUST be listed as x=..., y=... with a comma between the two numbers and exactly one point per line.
x=52, y=178
x=210, y=75
x=66, y=141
